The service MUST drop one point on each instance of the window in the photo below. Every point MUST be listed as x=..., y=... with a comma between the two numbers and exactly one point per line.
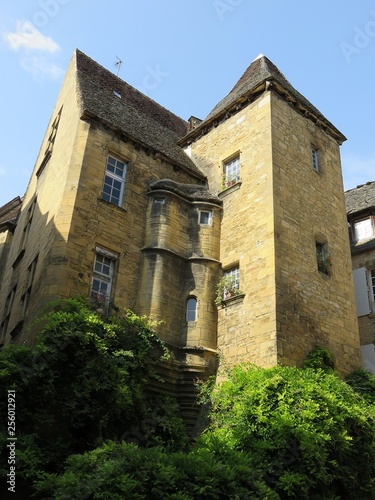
x=363, y=229
x=205, y=217
x=315, y=159
x=323, y=259
x=231, y=172
x=50, y=143
x=8, y=309
x=114, y=181
x=159, y=200
x=231, y=283
x=26, y=229
x=102, y=279
x=371, y=276
x=191, y=309
x=29, y=283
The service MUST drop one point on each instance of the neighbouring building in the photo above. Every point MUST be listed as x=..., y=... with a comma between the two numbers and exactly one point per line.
x=130, y=204
x=360, y=205
x=8, y=220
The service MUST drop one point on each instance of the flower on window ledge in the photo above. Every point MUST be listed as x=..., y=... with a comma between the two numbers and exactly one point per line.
x=324, y=263
x=226, y=289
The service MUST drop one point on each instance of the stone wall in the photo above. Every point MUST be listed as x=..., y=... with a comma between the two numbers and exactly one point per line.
x=246, y=324
x=312, y=308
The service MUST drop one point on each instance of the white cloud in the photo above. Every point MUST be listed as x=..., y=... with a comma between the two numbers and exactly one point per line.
x=357, y=170
x=28, y=37
x=41, y=67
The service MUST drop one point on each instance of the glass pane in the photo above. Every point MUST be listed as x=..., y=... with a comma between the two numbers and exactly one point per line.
x=205, y=218
x=191, y=309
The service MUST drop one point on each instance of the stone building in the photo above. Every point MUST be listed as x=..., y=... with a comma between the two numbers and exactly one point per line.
x=8, y=219
x=129, y=204
x=360, y=205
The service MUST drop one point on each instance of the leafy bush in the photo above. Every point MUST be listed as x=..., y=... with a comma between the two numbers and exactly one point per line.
x=363, y=382
x=312, y=436
x=118, y=471
x=83, y=382
x=319, y=358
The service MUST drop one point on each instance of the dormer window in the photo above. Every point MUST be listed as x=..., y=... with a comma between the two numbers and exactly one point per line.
x=363, y=229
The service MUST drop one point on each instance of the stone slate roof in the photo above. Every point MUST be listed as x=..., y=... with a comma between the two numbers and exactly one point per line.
x=260, y=71
x=9, y=213
x=135, y=115
x=361, y=198
x=192, y=192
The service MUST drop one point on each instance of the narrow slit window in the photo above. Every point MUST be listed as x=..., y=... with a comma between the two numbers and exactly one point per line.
x=315, y=159
x=191, y=309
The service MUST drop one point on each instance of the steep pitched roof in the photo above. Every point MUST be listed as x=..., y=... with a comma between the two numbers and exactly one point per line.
x=361, y=198
x=254, y=81
x=9, y=213
x=132, y=113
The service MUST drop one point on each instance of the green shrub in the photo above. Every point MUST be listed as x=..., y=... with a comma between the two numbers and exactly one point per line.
x=363, y=382
x=119, y=471
x=83, y=382
x=319, y=358
x=311, y=435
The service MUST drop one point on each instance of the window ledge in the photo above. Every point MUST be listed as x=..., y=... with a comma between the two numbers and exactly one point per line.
x=230, y=189
x=231, y=301
x=110, y=204
x=324, y=275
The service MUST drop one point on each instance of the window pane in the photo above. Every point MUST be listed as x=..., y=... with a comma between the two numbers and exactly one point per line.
x=315, y=159
x=191, y=309
x=363, y=229
x=232, y=171
x=205, y=218
x=114, y=181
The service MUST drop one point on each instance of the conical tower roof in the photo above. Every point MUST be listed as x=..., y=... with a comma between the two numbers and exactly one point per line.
x=262, y=75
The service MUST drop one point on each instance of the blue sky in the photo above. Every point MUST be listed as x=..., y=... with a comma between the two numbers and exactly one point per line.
x=187, y=55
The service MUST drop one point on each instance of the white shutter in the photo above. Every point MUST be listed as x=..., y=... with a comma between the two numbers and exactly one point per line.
x=368, y=357
x=361, y=293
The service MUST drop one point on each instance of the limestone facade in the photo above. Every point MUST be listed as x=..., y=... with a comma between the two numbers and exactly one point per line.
x=130, y=205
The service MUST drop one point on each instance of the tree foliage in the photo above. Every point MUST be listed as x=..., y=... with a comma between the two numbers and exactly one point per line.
x=84, y=382
x=82, y=402
x=274, y=434
x=311, y=434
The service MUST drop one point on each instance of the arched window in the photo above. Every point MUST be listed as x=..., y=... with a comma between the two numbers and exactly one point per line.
x=191, y=309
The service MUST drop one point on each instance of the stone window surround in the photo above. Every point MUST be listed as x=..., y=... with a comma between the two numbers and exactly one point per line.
x=108, y=259
x=110, y=178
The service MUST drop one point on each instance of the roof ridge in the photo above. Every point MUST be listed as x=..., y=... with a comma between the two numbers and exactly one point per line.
x=368, y=183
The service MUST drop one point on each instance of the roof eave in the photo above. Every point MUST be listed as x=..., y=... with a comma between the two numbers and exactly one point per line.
x=88, y=115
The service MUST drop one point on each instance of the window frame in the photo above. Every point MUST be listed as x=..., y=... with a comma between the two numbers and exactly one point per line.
x=371, y=287
x=191, y=310
x=109, y=260
x=233, y=271
x=323, y=258
x=315, y=158
x=114, y=177
x=209, y=212
x=370, y=220
x=231, y=175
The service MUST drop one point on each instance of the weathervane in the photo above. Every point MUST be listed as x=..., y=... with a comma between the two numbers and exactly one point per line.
x=118, y=65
